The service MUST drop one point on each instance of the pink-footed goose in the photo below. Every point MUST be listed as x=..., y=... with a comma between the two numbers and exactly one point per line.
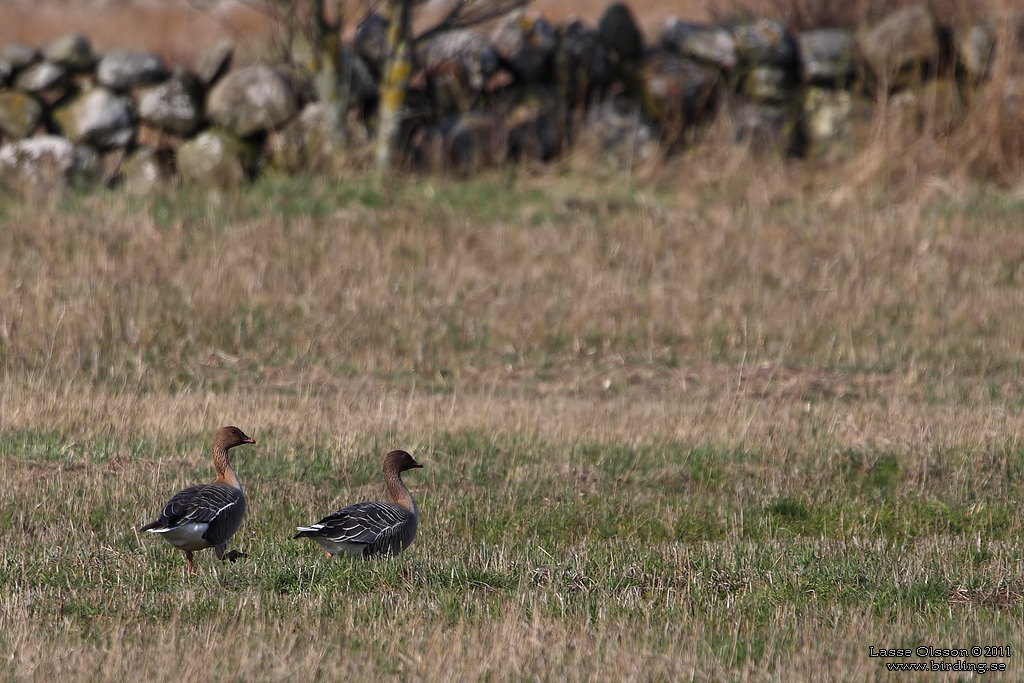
x=207, y=515
x=370, y=529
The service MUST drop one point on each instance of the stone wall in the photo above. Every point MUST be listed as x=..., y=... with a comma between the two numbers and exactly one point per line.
x=527, y=89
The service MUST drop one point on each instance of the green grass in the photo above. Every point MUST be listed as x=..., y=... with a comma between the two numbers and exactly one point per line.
x=727, y=440
x=645, y=544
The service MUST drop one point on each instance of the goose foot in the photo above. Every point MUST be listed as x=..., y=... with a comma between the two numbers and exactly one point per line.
x=233, y=555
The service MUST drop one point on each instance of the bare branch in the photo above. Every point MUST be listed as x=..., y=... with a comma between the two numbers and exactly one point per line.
x=492, y=11
x=450, y=20
x=274, y=10
x=457, y=18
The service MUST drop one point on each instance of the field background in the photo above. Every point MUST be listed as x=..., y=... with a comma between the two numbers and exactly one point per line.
x=179, y=30
x=713, y=418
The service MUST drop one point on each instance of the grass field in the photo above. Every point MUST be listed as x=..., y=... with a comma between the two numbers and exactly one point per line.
x=727, y=424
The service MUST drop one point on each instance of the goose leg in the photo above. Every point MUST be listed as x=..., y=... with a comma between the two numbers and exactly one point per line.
x=191, y=566
x=231, y=556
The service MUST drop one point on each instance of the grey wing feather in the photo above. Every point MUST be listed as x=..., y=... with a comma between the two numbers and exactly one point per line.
x=361, y=523
x=215, y=504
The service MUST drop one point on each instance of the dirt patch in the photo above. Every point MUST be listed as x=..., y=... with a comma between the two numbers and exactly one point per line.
x=1000, y=597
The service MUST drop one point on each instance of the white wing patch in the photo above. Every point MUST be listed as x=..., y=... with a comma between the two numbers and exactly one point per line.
x=186, y=536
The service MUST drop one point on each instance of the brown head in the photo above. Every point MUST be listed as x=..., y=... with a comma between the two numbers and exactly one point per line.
x=224, y=440
x=227, y=438
x=399, y=461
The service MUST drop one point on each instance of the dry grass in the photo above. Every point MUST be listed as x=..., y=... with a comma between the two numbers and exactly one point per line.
x=713, y=419
x=807, y=14
x=707, y=426
x=179, y=30
x=476, y=286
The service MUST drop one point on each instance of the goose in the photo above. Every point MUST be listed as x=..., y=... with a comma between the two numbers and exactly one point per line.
x=375, y=528
x=206, y=515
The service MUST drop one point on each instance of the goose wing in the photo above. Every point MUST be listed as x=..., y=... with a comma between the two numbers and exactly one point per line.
x=360, y=523
x=218, y=505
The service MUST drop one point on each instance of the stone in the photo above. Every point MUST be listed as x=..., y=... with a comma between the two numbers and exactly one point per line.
x=677, y=93
x=619, y=32
x=323, y=141
x=300, y=81
x=362, y=83
x=251, y=100
x=764, y=42
x=370, y=41
x=215, y=62
x=20, y=114
x=216, y=159
x=901, y=46
x=98, y=117
x=147, y=135
x=621, y=132
x=20, y=55
x=710, y=45
x=525, y=42
x=47, y=162
x=765, y=127
x=828, y=120
x=974, y=48
x=312, y=142
x=475, y=141
x=110, y=164
x=581, y=63
x=1012, y=95
x=72, y=51
x=457, y=65
x=460, y=55
x=826, y=56
x=533, y=126
x=6, y=71
x=144, y=171
x=176, y=105
x=766, y=83
x=42, y=77
x=463, y=144
x=123, y=70
x=426, y=147
x=902, y=114
x=286, y=149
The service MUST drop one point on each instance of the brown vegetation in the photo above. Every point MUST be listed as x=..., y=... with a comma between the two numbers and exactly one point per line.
x=179, y=30
x=800, y=15
x=708, y=417
x=633, y=404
